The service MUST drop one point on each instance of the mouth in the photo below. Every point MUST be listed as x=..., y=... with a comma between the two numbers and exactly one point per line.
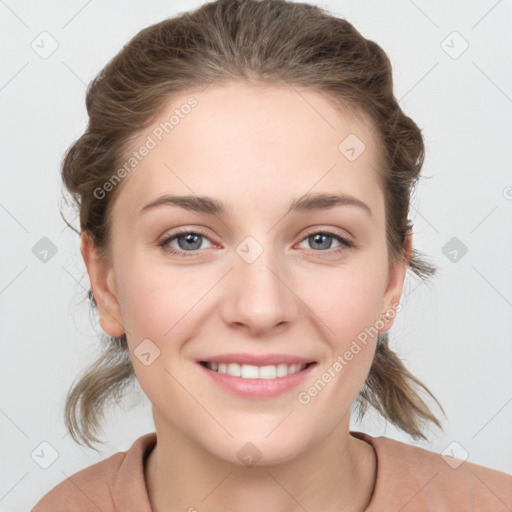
x=257, y=376
x=249, y=371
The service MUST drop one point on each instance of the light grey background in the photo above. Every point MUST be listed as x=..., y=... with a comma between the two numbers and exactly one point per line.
x=454, y=334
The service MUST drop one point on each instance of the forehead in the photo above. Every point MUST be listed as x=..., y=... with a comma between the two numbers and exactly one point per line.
x=243, y=143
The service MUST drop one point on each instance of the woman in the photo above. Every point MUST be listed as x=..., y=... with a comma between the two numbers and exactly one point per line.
x=243, y=188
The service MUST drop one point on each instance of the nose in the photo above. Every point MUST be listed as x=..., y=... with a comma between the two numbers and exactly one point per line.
x=257, y=295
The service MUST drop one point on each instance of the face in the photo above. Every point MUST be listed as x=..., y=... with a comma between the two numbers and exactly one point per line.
x=254, y=286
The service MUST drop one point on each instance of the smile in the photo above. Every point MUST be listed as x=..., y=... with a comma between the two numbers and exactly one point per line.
x=249, y=371
x=263, y=381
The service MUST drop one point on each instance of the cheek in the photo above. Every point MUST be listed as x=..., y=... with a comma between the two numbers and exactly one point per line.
x=346, y=300
x=160, y=306
x=349, y=329
x=155, y=300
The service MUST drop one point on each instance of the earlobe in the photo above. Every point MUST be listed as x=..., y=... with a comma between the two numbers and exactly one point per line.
x=103, y=287
x=393, y=291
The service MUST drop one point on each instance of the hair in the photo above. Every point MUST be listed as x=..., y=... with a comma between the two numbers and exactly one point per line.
x=260, y=42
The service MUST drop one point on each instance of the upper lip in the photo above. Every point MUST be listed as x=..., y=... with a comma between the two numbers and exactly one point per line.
x=257, y=360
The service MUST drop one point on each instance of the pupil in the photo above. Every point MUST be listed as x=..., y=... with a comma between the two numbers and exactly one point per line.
x=190, y=239
x=318, y=239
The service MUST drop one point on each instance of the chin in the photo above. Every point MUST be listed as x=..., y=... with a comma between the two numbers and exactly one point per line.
x=256, y=448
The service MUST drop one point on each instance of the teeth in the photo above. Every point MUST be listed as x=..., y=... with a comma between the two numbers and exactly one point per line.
x=234, y=369
x=268, y=372
x=282, y=370
x=249, y=371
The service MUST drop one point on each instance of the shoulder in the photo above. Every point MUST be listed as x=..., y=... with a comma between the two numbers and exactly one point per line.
x=85, y=489
x=102, y=486
x=410, y=478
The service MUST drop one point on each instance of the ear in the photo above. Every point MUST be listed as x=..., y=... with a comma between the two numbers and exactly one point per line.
x=101, y=276
x=395, y=283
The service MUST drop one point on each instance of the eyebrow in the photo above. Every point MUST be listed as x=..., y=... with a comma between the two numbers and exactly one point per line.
x=209, y=205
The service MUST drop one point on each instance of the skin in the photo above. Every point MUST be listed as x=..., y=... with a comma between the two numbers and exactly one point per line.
x=255, y=149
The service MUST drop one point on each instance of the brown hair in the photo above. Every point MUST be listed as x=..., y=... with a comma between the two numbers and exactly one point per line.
x=262, y=42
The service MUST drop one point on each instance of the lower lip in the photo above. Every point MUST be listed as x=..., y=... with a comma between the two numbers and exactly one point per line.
x=258, y=388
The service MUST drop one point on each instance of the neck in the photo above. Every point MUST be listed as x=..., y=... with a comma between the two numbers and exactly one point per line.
x=337, y=474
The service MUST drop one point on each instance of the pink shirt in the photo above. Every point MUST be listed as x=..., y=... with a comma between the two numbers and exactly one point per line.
x=409, y=479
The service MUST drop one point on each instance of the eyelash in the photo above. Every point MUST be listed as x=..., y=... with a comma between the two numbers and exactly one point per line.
x=345, y=243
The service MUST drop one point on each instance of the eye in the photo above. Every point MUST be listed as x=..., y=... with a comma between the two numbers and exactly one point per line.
x=321, y=241
x=187, y=241
x=191, y=242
